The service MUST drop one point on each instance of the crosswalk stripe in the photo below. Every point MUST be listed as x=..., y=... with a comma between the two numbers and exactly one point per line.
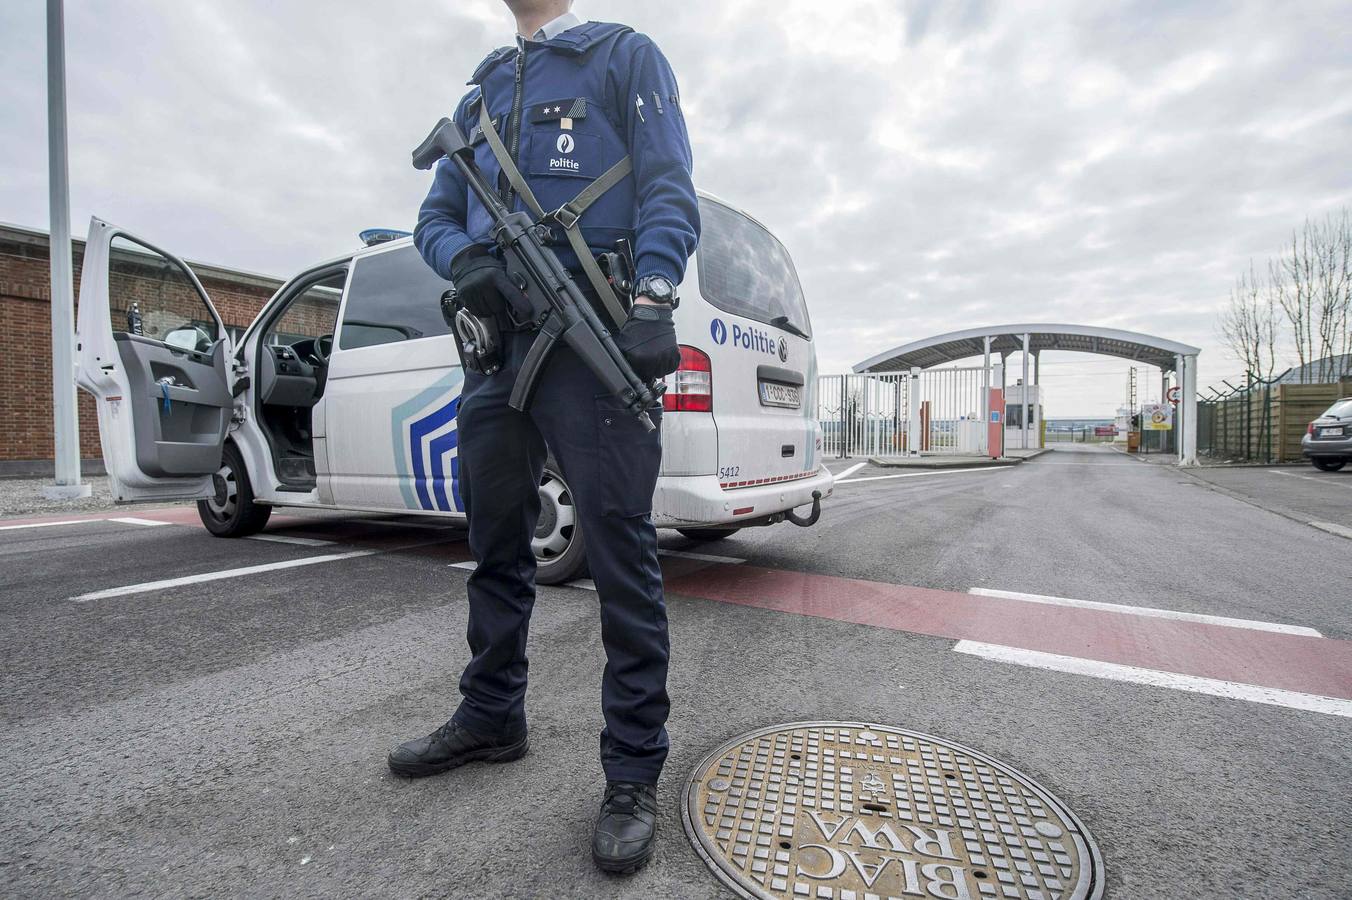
x=1194, y=684
x=148, y=586
x=1150, y=611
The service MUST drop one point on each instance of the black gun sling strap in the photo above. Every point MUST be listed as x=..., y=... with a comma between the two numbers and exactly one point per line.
x=567, y=216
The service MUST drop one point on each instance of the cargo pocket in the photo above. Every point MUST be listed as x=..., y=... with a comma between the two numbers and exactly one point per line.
x=628, y=458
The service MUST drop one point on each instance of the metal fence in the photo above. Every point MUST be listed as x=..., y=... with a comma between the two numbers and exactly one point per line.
x=1262, y=421
x=872, y=414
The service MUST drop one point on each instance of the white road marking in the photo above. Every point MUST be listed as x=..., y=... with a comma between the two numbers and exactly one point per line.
x=703, y=557
x=148, y=586
x=287, y=539
x=468, y=565
x=47, y=524
x=1323, y=481
x=1333, y=528
x=585, y=583
x=1148, y=611
x=851, y=470
x=1194, y=684
x=923, y=474
x=132, y=521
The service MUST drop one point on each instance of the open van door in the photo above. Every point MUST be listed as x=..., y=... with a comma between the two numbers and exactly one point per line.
x=155, y=353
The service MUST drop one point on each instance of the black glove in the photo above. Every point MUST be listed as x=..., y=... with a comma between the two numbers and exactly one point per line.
x=481, y=282
x=648, y=341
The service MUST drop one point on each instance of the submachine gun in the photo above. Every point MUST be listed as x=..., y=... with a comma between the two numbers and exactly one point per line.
x=551, y=300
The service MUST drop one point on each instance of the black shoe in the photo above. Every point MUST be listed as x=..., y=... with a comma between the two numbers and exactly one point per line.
x=450, y=746
x=626, y=828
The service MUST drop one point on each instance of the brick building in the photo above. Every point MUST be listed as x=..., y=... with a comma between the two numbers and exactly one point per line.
x=26, y=342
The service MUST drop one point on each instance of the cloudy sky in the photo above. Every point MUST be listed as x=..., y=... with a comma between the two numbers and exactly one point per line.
x=931, y=166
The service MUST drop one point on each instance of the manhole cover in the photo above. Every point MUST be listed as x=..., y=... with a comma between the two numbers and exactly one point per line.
x=850, y=811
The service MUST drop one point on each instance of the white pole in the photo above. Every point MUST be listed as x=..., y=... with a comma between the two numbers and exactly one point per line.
x=986, y=399
x=1036, y=414
x=1023, y=397
x=1164, y=399
x=1187, y=453
x=65, y=415
x=913, y=423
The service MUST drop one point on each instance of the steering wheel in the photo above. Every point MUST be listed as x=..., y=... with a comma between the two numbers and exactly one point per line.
x=320, y=354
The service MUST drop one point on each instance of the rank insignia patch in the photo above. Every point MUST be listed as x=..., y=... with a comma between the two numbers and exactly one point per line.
x=570, y=108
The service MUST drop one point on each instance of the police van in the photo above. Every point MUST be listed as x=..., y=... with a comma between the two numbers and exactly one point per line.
x=343, y=392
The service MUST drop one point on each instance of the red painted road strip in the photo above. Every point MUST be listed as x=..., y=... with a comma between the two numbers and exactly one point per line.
x=1309, y=665
x=187, y=515
x=118, y=512
x=1291, y=662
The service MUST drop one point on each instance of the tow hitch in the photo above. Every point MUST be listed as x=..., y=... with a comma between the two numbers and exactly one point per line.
x=812, y=517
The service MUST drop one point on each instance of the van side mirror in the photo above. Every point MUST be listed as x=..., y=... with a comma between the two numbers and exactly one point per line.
x=188, y=337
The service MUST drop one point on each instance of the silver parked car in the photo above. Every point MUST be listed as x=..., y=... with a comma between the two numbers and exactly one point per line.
x=1328, y=440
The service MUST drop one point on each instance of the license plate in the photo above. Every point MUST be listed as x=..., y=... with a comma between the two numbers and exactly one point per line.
x=775, y=394
x=1336, y=431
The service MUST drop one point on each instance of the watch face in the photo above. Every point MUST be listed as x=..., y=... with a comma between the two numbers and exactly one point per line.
x=657, y=287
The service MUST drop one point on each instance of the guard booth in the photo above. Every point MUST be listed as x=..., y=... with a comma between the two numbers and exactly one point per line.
x=1023, y=417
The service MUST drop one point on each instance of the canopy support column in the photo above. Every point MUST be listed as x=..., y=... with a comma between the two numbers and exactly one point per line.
x=1023, y=397
x=1187, y=446
x=986, y=398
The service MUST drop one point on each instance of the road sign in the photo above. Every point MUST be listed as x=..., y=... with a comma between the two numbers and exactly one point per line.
x=1174, y=394
x=1157, y=417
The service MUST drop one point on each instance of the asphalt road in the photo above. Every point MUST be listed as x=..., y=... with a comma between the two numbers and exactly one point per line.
x=1300, y=493
x=227, y=737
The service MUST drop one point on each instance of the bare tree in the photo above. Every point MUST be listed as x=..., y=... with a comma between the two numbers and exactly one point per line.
x=1334, y=293
x=1313, y=287
x=1249, y=323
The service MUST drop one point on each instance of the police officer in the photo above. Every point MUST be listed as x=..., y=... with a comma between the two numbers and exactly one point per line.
x=560, y=111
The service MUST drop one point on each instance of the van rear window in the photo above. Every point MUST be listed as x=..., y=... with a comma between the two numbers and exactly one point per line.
x=744, y=270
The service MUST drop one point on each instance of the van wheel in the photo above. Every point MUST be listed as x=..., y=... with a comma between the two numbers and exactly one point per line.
x=232, y=512
x=1324, y=464
x=560, y=551
x=707, y=534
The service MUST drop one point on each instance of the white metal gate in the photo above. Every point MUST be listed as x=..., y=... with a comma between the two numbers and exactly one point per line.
x=894, y=414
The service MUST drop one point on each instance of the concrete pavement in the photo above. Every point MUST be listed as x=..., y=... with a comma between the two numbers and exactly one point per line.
x=227, y=736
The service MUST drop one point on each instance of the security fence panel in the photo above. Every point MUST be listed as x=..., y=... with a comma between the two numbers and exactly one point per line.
x=951, y=417
x=869, y=414
x=863, y=414
x=1262, y=421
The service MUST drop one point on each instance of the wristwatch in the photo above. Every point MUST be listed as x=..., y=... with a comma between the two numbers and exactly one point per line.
x=658, y=288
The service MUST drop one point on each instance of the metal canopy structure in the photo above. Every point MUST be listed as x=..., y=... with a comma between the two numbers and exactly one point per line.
x=1032, y=339
x=1006, y=339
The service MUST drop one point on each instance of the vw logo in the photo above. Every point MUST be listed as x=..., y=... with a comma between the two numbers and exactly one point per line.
x=565, y=143
x=718, y=331
x=783, y=350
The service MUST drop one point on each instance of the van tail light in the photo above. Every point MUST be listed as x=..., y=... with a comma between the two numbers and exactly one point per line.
x=691, y=387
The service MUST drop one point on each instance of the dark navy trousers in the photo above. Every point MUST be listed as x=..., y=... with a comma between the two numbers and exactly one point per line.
x=611, y=465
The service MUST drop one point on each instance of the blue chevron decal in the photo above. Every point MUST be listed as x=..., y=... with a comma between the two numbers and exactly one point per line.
x=425, y=435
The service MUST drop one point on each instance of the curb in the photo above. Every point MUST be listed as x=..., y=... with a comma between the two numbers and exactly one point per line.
x=943, y=462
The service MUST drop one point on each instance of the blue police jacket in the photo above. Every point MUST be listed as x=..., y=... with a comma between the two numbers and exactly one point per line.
x=568, y=109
